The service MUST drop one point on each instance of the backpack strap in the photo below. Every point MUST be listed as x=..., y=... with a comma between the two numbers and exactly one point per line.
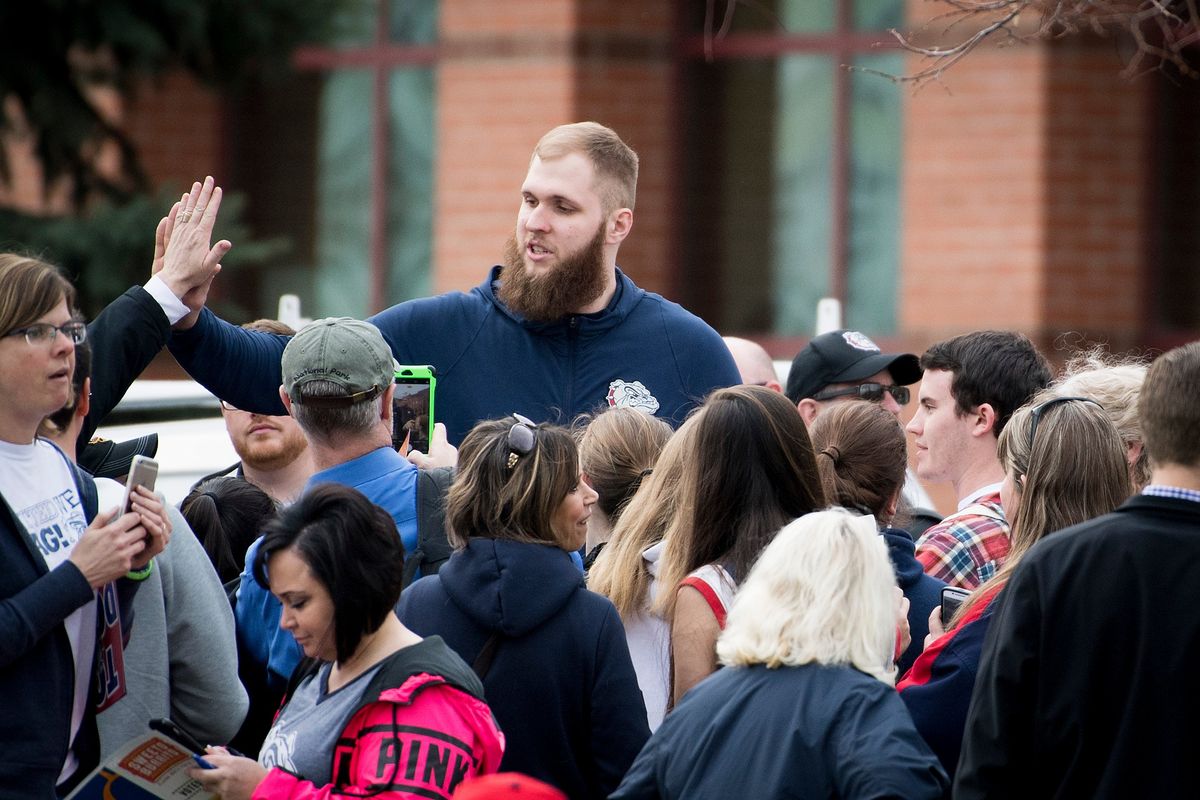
x=487, y=654
x=433, y=548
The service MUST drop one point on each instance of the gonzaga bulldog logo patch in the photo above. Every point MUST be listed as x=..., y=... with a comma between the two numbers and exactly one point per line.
x=860, y=341
x=632, y=394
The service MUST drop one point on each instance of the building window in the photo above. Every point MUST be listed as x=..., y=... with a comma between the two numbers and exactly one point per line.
x=792, y=166
x=354, y=191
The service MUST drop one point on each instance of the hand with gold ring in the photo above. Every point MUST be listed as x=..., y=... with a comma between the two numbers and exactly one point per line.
x=184, y=257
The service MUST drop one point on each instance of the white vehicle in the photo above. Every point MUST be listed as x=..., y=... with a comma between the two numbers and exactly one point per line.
x=192, y=441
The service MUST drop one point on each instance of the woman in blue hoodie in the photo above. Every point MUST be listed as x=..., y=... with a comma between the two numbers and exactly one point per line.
x=553, y=659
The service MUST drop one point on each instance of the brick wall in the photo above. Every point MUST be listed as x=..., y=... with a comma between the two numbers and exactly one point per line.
x=175, y=124
x=1097, y=133
x=1025, y=195
x=506, y=79
x=973, y=196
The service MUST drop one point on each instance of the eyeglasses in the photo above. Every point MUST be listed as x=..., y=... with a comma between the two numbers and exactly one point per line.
x=872, y=392
x=521, y=438
x=228, y=406
x=1035, y=416
x=43, y=333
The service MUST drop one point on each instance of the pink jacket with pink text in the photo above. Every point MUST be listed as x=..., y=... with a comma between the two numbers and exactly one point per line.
x=419, y=730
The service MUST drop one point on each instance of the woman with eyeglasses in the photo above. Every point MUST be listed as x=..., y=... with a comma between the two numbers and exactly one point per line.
x=552, y=655
x=68, y=565
x=1064, y=463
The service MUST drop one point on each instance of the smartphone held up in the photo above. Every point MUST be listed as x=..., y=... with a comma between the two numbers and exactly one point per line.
x=143, y=471
x=412, y=408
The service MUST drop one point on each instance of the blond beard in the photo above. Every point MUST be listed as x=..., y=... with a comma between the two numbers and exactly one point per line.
x=578, y=279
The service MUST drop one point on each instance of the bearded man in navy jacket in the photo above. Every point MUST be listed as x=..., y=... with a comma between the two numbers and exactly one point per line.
x=555, y=330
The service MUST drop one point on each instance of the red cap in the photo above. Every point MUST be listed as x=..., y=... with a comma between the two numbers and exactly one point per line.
x=505, y=785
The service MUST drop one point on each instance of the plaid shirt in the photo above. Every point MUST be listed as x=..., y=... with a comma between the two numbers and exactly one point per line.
x=1159, y=490
x=967, y=547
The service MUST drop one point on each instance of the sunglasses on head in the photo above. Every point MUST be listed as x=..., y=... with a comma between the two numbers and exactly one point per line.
x=1035, y=416
x=872, y=392
x=521, y=438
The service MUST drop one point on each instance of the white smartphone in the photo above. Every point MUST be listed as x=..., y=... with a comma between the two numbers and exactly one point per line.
x=143, y=471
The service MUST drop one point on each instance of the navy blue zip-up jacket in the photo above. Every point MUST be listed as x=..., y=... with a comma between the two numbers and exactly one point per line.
x=642, y=350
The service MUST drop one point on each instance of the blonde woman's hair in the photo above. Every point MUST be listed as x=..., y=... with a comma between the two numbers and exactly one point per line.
x=1072, y=470
x=617, y=452
x=29, y=289
x=1115, y=383
x=619, y=572
x=822, y=593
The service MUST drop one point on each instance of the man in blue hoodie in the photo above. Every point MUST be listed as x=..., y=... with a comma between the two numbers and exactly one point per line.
x=555, y=330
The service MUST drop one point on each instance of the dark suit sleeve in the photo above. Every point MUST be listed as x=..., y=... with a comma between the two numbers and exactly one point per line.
x=1000, y=723
x=125, y=337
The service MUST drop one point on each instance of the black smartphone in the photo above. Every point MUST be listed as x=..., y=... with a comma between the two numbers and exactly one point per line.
x=412, y=408
x=952, y=598
x=178, y=735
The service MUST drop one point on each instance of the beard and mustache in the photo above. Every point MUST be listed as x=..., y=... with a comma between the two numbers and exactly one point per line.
x=576, y=281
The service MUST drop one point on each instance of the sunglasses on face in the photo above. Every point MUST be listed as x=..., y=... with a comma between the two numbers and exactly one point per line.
x=872, y=392
x=43, y=333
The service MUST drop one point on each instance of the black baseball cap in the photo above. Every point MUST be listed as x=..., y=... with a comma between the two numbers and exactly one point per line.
x=844, y=356
x=104, y=458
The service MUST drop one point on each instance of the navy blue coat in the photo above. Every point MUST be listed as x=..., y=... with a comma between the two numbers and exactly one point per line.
x=561, y=683
x=642, y=350
x=794, y=732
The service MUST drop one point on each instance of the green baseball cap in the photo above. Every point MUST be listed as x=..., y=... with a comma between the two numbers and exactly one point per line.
x=348, y=352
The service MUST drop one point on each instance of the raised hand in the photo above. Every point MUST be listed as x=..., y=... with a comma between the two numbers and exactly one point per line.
x=184, y=257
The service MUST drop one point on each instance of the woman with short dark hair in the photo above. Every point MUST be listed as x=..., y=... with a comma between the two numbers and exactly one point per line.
x=552, y=655
x=371, y=696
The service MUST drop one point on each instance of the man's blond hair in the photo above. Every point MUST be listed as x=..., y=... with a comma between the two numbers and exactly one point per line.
x=615, y=163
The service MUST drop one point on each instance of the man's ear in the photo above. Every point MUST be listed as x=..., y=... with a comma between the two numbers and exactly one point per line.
x=385, y=412
x=620, y=223
x=287, y=401
x=84, y=404
x=984, y=422
x=808, y=409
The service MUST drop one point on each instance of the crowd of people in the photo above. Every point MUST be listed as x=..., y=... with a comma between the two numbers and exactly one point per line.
x=632, y=563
